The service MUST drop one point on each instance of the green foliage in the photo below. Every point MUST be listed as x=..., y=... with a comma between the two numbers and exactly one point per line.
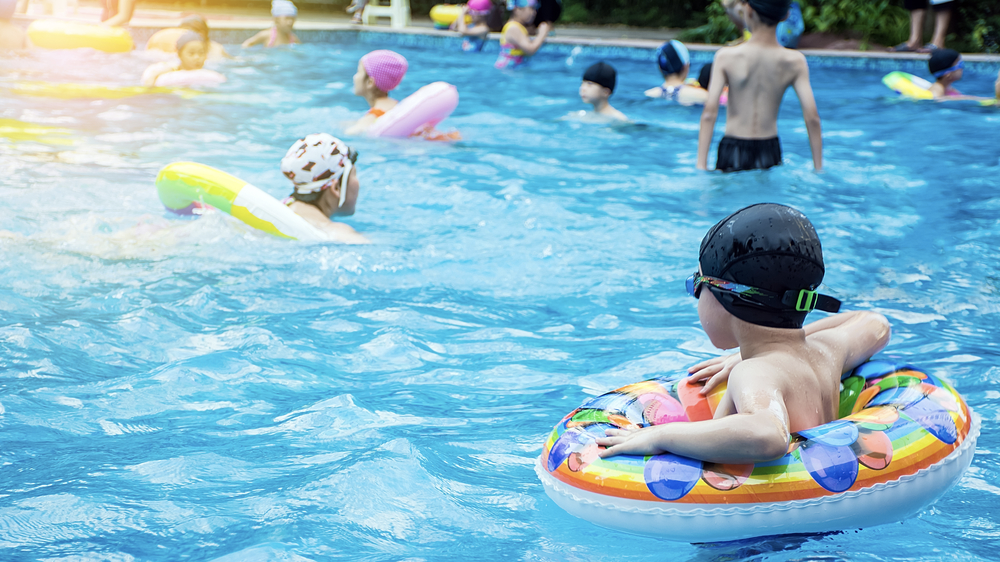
x=641, y=13
x=878, y=21
x=718, y=29
x=976, y=27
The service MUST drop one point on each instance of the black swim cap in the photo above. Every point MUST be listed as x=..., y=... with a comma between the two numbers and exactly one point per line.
x=942, y=59
x=774, y=10
x=705, y=76
x=603, y=74
x=769, y=246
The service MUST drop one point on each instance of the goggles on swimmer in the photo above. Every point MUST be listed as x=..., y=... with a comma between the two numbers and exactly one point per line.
x=958, y=66
x=352, y=157
x=802, y=300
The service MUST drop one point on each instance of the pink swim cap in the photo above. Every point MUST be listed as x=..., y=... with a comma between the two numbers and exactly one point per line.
x=386, y=68
x=480, y=6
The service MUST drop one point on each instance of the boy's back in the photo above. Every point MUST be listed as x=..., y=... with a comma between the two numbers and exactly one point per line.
x=758, y=76
x=757, y=73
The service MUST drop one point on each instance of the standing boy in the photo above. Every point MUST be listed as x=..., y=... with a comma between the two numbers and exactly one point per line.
x=757, y=72
x=597, y=86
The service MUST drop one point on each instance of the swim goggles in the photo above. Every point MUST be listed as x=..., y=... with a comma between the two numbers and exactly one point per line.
x=959, y=66
x=802, y=300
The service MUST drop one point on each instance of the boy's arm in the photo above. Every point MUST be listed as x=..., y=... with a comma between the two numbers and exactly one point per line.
x=758, y=433
x=124, y=15
x=154, y=71
x=256, y=39
x=803, y=88
x=711, y=112
x=529, y=46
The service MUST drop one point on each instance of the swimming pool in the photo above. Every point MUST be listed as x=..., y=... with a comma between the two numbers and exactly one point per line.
x=193, y=390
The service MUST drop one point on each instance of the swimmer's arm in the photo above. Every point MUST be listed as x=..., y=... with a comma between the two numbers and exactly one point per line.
x=361, y=125
x=803, y=88
x=855, y=336
x=155, y=71
x=259, y=38
x=710, y=114
x=529, y=46
x=343, y=233
x=124, y=15
x=692, y=96
x=478, y=29
x=758, y=433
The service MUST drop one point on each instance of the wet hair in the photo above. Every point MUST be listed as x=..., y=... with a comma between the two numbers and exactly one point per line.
x=196, y=24
x=942, y=59
x=705, y=76
x=770, y=12
x=602, y=74
x=768, y=246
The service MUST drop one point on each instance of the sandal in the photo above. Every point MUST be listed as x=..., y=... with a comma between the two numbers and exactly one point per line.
x=903, y=47
x=928, y=48
x=357, y=18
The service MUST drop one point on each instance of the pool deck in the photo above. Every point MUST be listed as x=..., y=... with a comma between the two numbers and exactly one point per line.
x=147, y=18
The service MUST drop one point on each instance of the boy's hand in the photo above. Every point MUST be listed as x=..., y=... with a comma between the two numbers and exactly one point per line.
x=716, y=370
x=632, y=441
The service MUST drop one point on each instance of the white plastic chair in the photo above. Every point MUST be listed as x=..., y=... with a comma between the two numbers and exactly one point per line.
x=398, y=12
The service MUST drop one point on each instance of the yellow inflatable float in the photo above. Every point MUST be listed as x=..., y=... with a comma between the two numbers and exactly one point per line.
x=443, y=15
x=908, y=85
x=63, y=34
x=70, y=91
x=21, y=131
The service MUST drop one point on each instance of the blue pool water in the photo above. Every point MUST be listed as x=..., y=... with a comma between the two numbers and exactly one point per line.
x=194, y=390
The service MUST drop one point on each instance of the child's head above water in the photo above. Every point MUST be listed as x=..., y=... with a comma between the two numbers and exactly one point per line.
x=522, y=10
x=598, y=83
x=479, y=8
x=317, y=163
x=946, y=64
x=379, y=72
x=192, y=51
x=673, y=58
x=284, y=14
x=763, y=264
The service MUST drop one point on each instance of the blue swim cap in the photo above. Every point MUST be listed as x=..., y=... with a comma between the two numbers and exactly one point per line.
x=511, y=4
x=672, y=56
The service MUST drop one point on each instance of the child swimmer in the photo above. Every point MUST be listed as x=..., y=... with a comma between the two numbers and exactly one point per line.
x=597, y=86
x=754, y=267
x=321, y=167
x=284, y=13
x=191, y=55
x=474, y=36
x=379, y=72
x=946, y=65
x=675, y=63
x=515, y=45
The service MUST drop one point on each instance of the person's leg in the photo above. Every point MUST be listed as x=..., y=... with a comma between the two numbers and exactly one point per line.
x=916, y=28
x=942, y=17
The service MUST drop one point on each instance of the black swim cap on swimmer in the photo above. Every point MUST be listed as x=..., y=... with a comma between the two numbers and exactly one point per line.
x=705, y=76
x=188, y=37
x=942, y=59
x=771, y=247
x=774, y=10
x=602, y=74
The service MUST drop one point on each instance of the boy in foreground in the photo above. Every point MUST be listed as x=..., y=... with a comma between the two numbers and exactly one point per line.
x=757, y=72
x=597, y=86
x=758, y=273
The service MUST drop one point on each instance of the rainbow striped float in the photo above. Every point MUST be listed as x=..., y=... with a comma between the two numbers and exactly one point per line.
x=904, y=437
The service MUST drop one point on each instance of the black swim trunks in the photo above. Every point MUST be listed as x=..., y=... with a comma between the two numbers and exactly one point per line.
x=737, y=155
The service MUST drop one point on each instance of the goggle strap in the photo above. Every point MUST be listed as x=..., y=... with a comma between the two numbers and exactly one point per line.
x=805, y=300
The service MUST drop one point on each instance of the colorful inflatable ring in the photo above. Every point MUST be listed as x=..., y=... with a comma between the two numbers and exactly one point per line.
x=908, y=85
x=68, y=91
x=418, y=112
x=443, y=15
x=184, y=187
x=181, y=78
x=903, y=438
x=62, y=34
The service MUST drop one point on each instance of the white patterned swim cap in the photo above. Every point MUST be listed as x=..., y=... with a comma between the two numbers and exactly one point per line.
x=316, y=162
